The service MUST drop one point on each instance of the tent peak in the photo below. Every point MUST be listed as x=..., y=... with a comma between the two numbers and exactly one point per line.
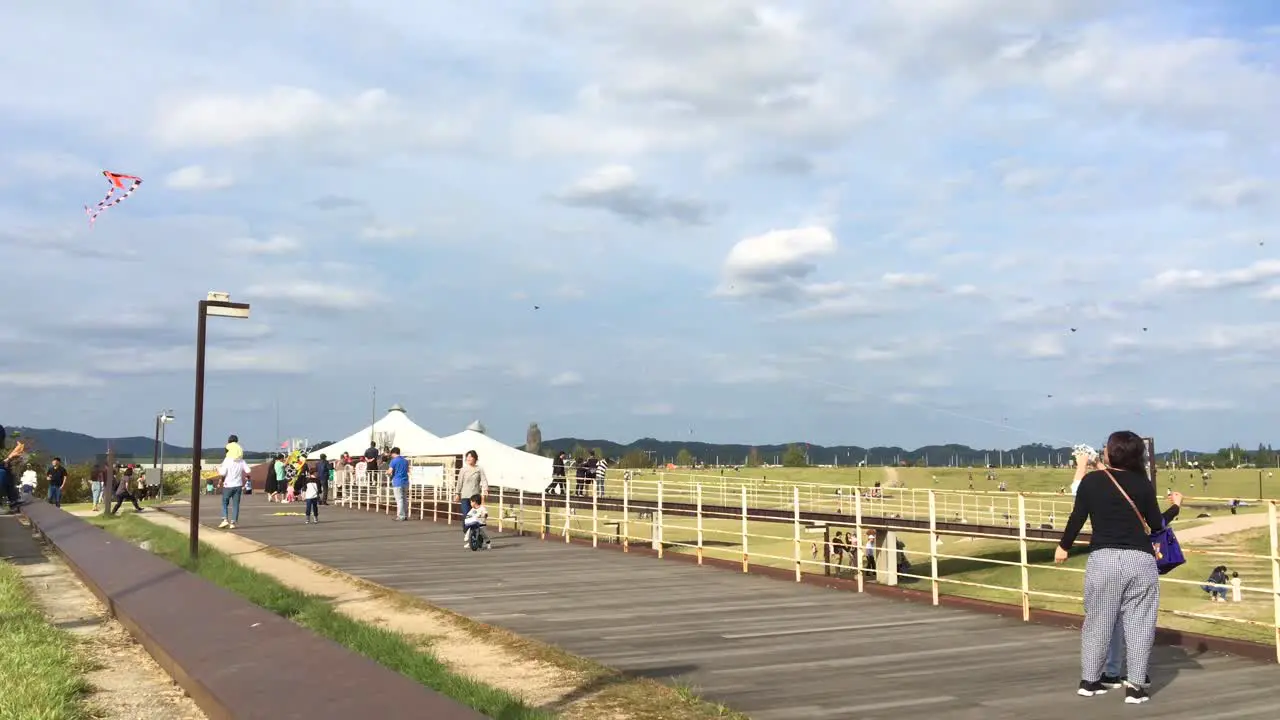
x=397, y=408
x=477, y=426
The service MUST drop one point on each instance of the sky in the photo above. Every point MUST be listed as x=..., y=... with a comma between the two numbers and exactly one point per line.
x=893, y=222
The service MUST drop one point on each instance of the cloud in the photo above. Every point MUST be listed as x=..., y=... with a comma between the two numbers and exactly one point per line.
x=1255, y=273
x=307, y=294
x=653, y=409
x=51, y=380
x=566, y=379
x=228, y=119
x=196, y=177
x=220, y=358
x=777, y=264
x=897, y=281
x=385, y=234
x=274, y=245
x=1045, y=346
x=616, y=189
x=1238, y=193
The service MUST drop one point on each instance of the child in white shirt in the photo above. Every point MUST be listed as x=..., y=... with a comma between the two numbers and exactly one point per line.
x=474, y=524
x=310, y=492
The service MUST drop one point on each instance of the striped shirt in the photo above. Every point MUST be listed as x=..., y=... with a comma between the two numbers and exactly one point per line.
x=602, y=467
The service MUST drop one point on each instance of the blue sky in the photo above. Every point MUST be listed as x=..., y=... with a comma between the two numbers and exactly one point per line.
x=742, y=221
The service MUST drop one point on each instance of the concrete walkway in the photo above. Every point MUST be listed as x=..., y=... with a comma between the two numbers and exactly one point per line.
x=775, y=650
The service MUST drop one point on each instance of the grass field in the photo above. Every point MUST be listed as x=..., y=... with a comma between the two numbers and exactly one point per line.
x=392, y=650
x=41, y=675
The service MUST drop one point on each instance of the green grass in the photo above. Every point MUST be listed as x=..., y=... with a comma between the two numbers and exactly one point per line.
x=41, y=674
x=392, y=650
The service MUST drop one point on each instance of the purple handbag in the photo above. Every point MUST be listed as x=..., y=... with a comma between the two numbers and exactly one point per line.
x=1163, y=542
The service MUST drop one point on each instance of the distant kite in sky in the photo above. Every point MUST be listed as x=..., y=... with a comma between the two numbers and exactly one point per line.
x=117, y=181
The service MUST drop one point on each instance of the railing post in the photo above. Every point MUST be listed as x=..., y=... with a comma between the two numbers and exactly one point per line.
x=1022, y=552
x=520, y=512
x=745, y=552
x=595, y=521
x=500, y=508
x=542, y=534
x=795, y=525
x=626, y=515
x=657, y=521
x=933, y=545
x=1275, y=574
x=568, y=514
x=699, y=515
x=435, y=504
x=857, y=528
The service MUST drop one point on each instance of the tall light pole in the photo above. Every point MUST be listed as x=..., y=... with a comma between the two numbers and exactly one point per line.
x=162, y=419
x=217, y=304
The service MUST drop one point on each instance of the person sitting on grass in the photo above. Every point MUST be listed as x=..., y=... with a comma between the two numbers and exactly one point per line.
x=474, y=524
x=1216, y=585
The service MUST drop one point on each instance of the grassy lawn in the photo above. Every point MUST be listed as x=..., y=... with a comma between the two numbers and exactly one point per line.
x=41, y=677
x=395, y=651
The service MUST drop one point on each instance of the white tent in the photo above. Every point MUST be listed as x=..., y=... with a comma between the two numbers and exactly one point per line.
x=503, y=465
x=395, y=428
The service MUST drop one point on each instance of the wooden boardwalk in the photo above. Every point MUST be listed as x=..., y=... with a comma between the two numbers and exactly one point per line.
x=775, y=650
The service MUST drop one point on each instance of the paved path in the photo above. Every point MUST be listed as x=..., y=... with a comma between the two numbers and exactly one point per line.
x=773, y=649
x=1223, y=526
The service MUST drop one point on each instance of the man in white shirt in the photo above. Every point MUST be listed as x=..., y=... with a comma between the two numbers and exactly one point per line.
x=233, y=474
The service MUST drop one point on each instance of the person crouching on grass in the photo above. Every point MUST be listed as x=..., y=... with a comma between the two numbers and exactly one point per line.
x=474, y=524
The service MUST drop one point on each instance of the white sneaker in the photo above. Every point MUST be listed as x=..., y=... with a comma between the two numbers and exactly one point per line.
x=224, y=524
x=232, y=526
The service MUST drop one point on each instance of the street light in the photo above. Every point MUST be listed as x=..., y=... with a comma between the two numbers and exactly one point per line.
x=217, y=304
x=157, y=458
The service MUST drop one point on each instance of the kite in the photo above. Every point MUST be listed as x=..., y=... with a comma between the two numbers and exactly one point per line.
x=117, y=181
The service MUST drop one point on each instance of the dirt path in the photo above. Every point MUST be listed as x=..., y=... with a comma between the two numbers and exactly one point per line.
x=128, y=683
x=537, y=683
x=1224, y=526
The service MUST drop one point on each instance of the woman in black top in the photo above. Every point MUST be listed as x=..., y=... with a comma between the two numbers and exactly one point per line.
x=1121, y=583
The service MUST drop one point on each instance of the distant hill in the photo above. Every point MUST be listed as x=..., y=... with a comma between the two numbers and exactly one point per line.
x=78, y=448
x=734, y=454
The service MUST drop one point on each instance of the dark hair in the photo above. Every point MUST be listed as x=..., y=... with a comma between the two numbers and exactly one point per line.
x=323, y=456
x=476, y=499
x=473, y=455
x=232, y=439
x=395, y=451
x=57, y=459
x=1125, y=450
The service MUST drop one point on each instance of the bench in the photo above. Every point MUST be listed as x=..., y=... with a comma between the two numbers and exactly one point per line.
x=231, y=656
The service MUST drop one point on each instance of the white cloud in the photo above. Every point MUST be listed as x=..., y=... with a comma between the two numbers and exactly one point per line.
x=1045, y=346
x=1236, y=193
x=315, y=295
x=654, y=409
x=1271, y=293
x=1256, y=273
x=566, y=379
x=388, y=234
x=147, y=360
x=896, y=281
x=227, y=120
x=616, y=189
x=50, y=380
x=274, y=245
x=776, y=264
x=465, y=404
x=196, y=177
x=1190, y=405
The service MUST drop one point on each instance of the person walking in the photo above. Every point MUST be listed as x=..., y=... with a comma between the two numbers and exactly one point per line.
x=233, y=473
x=125, y=492
x=307, y=487
x=56, y=476
x=1121, y=582
x=398, y=471
x=96, y=480
x=557, y=475
x=471, y=481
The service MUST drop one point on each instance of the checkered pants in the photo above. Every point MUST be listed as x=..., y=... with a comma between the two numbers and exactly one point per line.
x=1121, y=591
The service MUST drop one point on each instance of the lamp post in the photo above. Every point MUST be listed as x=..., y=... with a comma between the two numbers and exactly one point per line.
x=162, y=419
x=217, y=304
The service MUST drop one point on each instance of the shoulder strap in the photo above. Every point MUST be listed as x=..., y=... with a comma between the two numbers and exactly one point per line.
x=1145, y=527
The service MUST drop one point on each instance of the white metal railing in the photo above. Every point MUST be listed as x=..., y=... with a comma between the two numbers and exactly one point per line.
x=723, y=523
